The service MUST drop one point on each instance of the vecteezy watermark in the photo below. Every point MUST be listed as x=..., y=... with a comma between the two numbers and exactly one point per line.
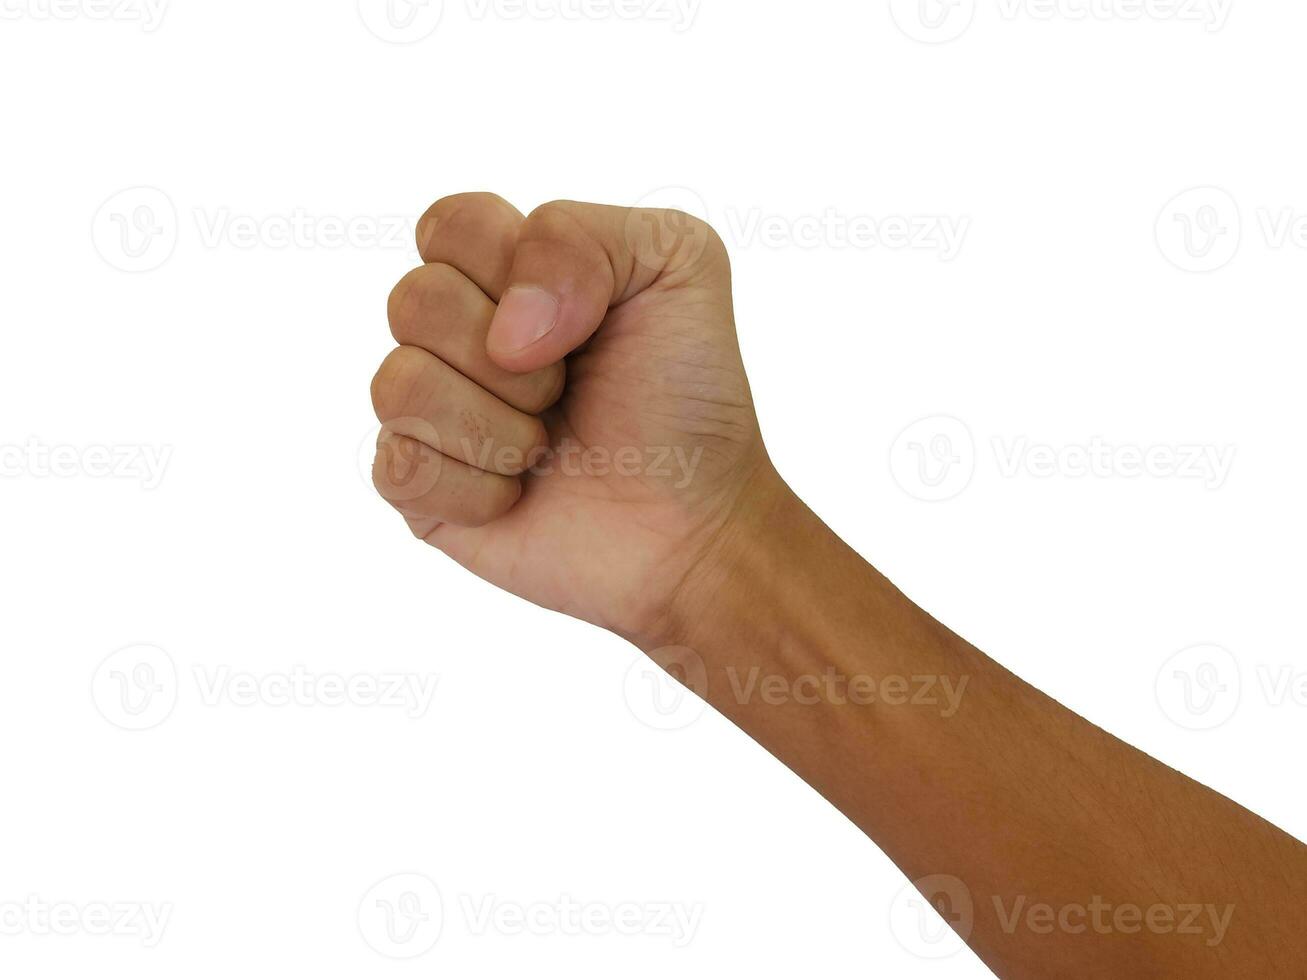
x=667, y=690
x=1203, y=229
x=1102, y=917
x=298, y=228
x=933, y=916
x=135, y=230
x=668, y=224
x=569, y=458
x=302, y=688
x=401, y=21
x=939, y=21
x=35, y=916
x=1283, y=684
x=1199, y=687
x=138, y=230
x=833, y=687
x=38, y=460
x=680, y=15
x=1211, y=15
x=934, y=459
x=676, y=922
x=409, y=21
x=1200, y=230
x=1202, y=687
x=1099, y=459
x=682, y=230
x=148, y=14
x=940, y=234
x=137, y=688
x=403, y=916
x=933, y=21
x=404, y=459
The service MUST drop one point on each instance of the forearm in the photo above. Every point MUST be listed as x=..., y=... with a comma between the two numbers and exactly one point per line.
x=951, y=764
x=956, y=767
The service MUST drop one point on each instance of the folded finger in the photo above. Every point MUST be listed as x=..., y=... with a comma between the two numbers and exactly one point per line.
x=415, y=389
x=430, y=489
x=476, y=234
x=438, y=308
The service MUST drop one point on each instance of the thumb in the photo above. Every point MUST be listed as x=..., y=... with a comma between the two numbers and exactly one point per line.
x=574, y=261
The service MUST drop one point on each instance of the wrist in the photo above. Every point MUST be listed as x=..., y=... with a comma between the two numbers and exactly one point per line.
x=778, y=590
x=747, y=555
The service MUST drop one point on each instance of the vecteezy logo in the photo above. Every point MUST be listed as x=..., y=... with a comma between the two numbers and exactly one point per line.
x=1199, y=688
x=667, y=690
x=933, y=916
x=668, y=223
x=1200, y=229
x=136, y=687
x=933, y=459
x=401, y=916
x=933, y=21
x=136, y=229
x=402, y=459
x=401, y=21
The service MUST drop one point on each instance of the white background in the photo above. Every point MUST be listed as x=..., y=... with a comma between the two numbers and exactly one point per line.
x=1076, y=312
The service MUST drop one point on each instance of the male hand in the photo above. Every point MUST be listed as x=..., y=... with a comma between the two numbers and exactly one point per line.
x=568, y=416
x=610, y=331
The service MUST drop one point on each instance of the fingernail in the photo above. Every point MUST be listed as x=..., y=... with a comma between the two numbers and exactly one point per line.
x=525, y=314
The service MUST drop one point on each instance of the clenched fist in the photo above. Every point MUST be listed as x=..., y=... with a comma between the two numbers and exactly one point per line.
x=568, y=417
x=567, y=414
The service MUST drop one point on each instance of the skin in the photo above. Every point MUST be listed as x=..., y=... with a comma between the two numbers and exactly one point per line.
x=551, y=366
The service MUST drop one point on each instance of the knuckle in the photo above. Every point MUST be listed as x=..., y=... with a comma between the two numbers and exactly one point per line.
x=545, y=389
x=404, y=301
x=715, y=243
x=559, y=206
x=421, y=289
x=426, y=227
x=455, y=215
x=534, y=434
x=402, y=471
x=436, y=307
x=561, y=228
x=436, y=222
x=550, y=220
x=565, y=223
x=493, y=501
x=420, y=525
x=396, y=376
x=381, y=479
x=698, y=234
x=667, y=239
x=474, y=200
x=685, y=219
